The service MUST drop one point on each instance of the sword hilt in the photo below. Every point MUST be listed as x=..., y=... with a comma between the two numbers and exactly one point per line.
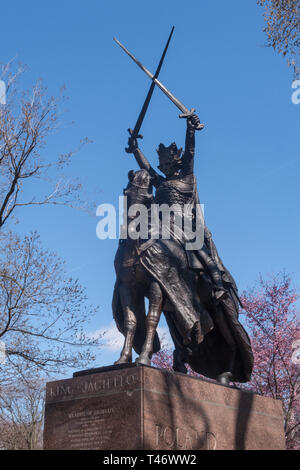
x=139, y=136
x=188, y=115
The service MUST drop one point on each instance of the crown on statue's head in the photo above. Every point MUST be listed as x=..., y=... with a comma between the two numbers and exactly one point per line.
x=165, y=153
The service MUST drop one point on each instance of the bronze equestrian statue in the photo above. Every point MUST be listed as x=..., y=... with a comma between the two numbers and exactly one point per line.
x=192, y=287
x=199, y=298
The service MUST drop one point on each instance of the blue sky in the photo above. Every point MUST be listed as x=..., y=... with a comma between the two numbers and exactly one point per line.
x=247, y=158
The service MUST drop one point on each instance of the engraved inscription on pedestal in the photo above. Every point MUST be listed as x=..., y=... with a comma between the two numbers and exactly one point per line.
x=184, y=439
x=94, y=412
x=82, y=387
x=90, y=429
x=145, y=408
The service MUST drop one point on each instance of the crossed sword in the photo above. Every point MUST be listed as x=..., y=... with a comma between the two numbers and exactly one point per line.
x=184, y=110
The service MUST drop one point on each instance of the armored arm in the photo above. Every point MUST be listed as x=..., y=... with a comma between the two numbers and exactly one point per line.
x=188, y=157
x=141, y=159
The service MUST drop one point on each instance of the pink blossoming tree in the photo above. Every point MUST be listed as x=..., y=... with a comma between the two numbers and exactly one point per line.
x=272, y=318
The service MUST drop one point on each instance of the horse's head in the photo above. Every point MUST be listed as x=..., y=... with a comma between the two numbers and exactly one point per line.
x=139, y=188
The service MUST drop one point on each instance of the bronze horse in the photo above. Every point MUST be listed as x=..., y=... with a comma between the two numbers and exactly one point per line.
x=134, y=283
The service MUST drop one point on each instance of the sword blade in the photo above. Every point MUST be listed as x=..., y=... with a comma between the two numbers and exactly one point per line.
x=151, y=89
x=170, y=95
x=173, y=98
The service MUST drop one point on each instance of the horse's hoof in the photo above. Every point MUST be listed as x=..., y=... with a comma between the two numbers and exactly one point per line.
x=143, y=360
x=178, y=364
x=180, y=368
x=225, y=378
x=123, y=361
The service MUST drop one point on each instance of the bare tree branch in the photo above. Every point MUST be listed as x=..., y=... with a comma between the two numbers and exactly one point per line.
x=43, y=313
x=26, y=121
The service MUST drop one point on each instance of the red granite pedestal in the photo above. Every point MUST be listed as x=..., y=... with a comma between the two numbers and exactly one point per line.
x=138, y=407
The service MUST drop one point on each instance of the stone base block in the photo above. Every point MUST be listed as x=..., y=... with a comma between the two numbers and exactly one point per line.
x=136, y=407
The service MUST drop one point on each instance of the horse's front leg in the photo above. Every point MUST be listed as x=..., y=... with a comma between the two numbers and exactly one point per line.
x=155, y=306
x=129, y=307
